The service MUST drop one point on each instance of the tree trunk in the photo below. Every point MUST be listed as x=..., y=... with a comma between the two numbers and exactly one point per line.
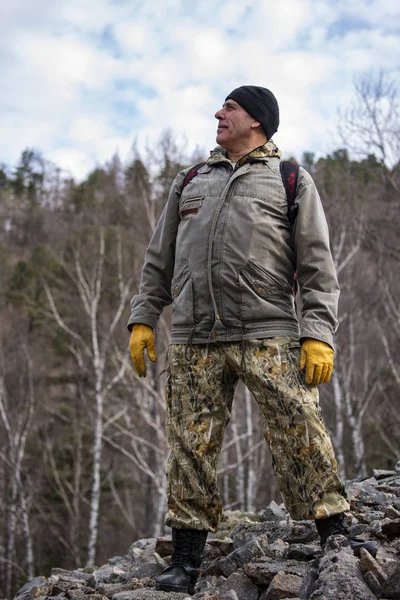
x=338, y=437
x=251, y=477
x=95, y=497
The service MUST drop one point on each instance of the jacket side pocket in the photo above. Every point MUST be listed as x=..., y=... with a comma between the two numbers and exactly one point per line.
x=182, y=296
x=261, y=282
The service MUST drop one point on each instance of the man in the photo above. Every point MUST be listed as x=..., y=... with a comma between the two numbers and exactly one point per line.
x=225, y=254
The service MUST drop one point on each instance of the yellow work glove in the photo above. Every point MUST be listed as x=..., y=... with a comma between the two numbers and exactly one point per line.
x=142, y=337
x=317, y=359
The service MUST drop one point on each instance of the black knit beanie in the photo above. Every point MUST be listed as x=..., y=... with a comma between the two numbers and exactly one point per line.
x=261, y=104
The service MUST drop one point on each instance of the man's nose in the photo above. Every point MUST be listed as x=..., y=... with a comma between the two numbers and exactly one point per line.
x=219, y=114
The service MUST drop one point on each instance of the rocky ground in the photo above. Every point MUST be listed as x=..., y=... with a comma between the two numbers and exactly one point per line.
x=259, y=557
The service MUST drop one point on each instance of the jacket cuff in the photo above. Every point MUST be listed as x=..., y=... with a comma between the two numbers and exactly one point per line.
x=145, y=320
x=317, y=331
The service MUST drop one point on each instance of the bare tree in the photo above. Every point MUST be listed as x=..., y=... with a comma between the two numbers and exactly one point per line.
x=372, y=123
x=93, y=353
x=17, y=425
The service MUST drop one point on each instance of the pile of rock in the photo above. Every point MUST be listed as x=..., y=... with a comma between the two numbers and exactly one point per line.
x=267, y=556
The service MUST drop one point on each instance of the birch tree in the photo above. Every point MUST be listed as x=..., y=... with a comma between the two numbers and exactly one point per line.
x=17, y=423
x=92, y=346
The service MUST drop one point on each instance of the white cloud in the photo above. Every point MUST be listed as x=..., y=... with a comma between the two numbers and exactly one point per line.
x=75, y=163
x=64, y=61
x=86, y=78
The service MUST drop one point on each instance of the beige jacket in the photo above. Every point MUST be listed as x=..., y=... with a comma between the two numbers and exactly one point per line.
x=224, y=254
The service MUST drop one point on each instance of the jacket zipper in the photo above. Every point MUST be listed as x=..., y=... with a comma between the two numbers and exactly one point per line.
x=224, y=194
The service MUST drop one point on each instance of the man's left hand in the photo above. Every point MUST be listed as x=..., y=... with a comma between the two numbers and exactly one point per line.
x=317, y=359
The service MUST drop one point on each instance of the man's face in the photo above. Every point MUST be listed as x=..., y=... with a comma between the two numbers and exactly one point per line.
x=235, y=125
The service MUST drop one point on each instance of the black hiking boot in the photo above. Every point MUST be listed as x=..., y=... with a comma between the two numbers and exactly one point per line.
x=336, y=526
x=187, y=550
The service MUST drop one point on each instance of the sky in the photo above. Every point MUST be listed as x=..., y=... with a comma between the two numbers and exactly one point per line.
x=83, y=79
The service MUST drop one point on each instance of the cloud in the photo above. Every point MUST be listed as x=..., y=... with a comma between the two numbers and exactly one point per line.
x=84, y=78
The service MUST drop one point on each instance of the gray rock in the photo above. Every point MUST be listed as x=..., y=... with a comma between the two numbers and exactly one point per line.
x=146, y=570
x=243, y=586
x=31, y=589
x=205, y=587
x=309, y=580
x=229, y=595
x=364, y=493
x=394, y=481
x=372, y=582
x=62, y=587
x=391, y=587
x=258, y=558
x=214, y=551
x=391, y=529
x=159, y=561
x=136, y=554
x=284, y=586
x=392, y=513
x=233, y=518
x=148, y=552
x=277, y=549
x=376, y=529
x=295, y=532
x=255, y=548
x=106, y=574
x=245, y=532
x=110, y=589
x=388, y=564
x=339, y=574
x=369, y=516
x=389, y=488
x=225, y=546
x=151, y=594
x=76, y=595
x=75, y=575
x=303, y=551
x=359, y=529
x=381, y=473
x=264, y=570
x=274, y=512
x=142, y=543
x=369, y=564
x=288, y=530
x=163, y=546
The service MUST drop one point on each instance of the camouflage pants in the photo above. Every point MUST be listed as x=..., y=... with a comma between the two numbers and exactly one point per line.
x=199, y=397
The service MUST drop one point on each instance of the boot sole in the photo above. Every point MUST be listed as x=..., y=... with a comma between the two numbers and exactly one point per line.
x=187, y=589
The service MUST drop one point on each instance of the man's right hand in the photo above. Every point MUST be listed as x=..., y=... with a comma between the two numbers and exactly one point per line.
x=142, y=337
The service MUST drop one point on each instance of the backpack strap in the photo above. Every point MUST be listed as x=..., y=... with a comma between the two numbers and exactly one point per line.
x=192, y=173
x=290, y=174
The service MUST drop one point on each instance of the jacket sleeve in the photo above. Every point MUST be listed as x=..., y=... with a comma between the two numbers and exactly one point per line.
x=155, y=285
x=318, y=284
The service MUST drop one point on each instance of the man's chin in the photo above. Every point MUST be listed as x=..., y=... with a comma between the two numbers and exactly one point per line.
x=220, y=139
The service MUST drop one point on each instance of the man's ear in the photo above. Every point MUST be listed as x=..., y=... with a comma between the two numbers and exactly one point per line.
x=255, y=124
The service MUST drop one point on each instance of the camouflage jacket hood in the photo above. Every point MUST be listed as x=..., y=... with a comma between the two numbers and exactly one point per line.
x=224, y=254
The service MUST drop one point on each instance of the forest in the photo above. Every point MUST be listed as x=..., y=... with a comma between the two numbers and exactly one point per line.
x=82, y=443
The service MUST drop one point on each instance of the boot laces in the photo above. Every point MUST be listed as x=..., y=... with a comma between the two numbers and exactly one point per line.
x=183, y=553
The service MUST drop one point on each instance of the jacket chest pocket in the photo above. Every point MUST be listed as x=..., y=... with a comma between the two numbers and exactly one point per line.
x=190, y=206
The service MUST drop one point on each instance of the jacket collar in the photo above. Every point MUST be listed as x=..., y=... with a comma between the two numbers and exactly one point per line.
x=259, y=154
